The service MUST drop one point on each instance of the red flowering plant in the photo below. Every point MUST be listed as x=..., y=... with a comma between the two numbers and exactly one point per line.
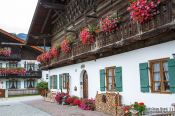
x=87, y=34
x=87, y=104
x=110, y=23
x=5, y=52
x=44, y=57
x=66, y=44
x=13, y=71
x=139, y=107
x=142, y=11
x=59, y=97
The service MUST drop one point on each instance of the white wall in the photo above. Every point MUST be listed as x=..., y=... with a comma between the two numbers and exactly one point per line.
x=131, y=79
x=44, y=75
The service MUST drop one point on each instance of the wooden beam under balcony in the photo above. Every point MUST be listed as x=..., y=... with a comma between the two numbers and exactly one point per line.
x=53, y=5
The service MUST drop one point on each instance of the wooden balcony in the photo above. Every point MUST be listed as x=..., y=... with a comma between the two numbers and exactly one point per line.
x=131, y=35
x=29, y=74
x=13, y=57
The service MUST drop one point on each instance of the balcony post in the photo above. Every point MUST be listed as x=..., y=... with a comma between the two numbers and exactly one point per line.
x=173, y=10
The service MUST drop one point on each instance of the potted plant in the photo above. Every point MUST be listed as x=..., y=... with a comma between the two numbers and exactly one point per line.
x=142, y=11
x=42, y=87
x=66, y=44
x=110, y=23
x=87, y=34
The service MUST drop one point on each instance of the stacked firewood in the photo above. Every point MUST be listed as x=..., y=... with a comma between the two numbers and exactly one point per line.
x=109, y=103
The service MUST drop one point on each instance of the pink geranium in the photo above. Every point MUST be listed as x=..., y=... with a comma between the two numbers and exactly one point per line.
x=110, y=23
x=86, y=37
x=143, y=10
x=65, y=46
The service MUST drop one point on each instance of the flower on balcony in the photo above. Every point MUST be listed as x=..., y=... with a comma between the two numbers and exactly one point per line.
x=66, y=45
x=44, y=57
x=54, y=52
x=87, y=34
x=5, y=52
x=143, y=10
x=110, y=23
x=21, y=71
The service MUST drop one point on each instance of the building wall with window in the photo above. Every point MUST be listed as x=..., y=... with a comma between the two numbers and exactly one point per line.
x=15, y=82
x=129, y=68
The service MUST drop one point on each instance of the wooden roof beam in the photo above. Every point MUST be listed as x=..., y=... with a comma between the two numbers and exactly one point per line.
x=53, y=5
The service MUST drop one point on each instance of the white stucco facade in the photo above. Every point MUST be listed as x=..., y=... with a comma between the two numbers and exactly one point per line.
x=129, y=62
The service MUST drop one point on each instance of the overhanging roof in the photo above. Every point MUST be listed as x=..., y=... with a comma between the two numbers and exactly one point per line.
x=18, y=40
x=41, y=26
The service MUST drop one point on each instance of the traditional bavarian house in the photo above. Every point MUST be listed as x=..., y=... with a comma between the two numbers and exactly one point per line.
x=108, y=46
x=19, y=71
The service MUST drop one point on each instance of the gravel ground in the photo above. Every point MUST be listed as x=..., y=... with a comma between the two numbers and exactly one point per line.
x=61, y=110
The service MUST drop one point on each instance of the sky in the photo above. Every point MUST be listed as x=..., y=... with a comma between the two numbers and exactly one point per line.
x=16, y=15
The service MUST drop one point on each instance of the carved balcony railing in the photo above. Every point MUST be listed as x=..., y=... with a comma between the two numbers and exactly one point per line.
x=127, y=31
x=13, y=56
x=28, y=74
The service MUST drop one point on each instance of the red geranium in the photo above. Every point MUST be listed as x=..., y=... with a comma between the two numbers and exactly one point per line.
x=76, y=102
x=86, y=37
x=65, y=46
x=143, y=10
x=54, y=52
x=69, y=100
x=110, y=23
x=21, y=71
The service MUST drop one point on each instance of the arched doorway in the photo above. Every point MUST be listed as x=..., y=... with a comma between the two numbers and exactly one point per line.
x=84, y=84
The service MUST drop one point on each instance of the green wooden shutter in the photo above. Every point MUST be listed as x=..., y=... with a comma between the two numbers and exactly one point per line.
x=144, y=77
x=102, y=80
x=55, y=82
x=60, y=82
x=118, y=79
x=50, y=80
x=171, y=70
x=67, y=79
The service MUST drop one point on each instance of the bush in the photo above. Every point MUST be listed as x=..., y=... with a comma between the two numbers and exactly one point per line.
x=42, y=85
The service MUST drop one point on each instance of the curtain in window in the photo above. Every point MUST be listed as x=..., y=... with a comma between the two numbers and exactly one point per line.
x=166, y=76
x=18, y=84
x=157, y=76
x=25, y=84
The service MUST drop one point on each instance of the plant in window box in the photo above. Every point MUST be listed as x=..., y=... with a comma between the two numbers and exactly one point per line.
x=66, y=44
x=87, y=34
x=142, y=11
x=110, y=23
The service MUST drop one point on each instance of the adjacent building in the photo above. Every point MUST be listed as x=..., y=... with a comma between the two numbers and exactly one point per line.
x=135, y=60
x=19, y=70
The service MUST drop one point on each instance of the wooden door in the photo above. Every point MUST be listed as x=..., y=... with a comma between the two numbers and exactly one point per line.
x=2, y=93
x=85, y=85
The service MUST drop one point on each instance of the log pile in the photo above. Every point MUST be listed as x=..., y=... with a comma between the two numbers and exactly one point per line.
x=109, y=103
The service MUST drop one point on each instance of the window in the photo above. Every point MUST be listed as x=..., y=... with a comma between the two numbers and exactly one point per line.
x=11, y=65
x=159, y=76
x=0, y=65
x=30, y=83
x=65, y=80
x=13, y=84
x=31, y=67
x=110, y=79
x=53, y=82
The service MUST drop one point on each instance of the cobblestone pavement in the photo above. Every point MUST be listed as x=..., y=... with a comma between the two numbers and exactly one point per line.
x=62, y=110
x=15, y=107
x=35, y=106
